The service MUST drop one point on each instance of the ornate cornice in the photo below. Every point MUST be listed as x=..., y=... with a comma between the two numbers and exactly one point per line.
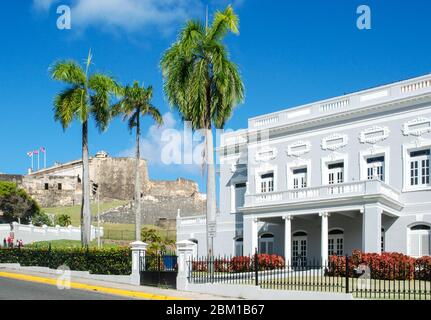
x=334, y=142
x=371, y=135
x=293, y=150
x=417, y=127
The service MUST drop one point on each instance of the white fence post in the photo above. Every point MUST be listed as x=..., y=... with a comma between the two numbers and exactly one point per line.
x=139, y=250
x=185, y=250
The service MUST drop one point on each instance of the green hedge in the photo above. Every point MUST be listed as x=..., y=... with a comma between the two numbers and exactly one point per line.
x=96, y=261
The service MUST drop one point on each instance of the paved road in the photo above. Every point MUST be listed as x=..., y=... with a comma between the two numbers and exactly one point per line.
x=11, y=289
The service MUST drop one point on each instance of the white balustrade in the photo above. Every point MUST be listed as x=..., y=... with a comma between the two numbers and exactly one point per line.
x=321, y=193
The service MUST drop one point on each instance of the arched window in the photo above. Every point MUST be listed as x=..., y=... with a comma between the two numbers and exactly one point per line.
x=266, y=243
x=418, y=240
x=239, y=247
x=336, y=242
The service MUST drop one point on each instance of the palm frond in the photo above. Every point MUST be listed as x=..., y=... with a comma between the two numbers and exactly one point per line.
x=68, y=71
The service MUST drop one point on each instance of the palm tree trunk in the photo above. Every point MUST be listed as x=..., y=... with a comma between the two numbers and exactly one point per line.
x=138, y=182
x=85, y=205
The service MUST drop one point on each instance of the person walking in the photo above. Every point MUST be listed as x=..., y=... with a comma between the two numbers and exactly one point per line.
x=4, y=243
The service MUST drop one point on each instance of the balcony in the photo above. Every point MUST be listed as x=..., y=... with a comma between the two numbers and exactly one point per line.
x=338, y=192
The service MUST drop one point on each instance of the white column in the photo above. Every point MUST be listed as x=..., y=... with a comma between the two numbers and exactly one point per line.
x=287, y=239
x=185, y=250
x=372, y=229
x=324, y=237
x=250, y=235
x=139, y=249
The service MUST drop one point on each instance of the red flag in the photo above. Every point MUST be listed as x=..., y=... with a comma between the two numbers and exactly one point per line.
x=42, y=149
x=36, y=152
x=30, y=153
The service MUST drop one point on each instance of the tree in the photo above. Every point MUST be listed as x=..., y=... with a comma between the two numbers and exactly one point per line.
x=204, y=86
x=16, y=204
x=136, y=102
x=63, y=220
x=86, y=95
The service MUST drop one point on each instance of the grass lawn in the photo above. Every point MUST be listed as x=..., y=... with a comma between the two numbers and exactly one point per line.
x=67, y=244
x=75, y=211
x=113, y=231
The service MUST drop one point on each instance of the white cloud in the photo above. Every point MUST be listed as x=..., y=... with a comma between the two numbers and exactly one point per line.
x=170, y=147
x=134, y=15
x=43, y=5
x=128, y=15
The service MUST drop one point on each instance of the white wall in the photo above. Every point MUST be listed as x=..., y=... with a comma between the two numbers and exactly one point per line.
x=30, y=233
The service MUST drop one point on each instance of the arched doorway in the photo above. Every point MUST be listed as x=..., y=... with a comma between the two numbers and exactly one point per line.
x=336, y=242
x=266, y=243
x=299, y=248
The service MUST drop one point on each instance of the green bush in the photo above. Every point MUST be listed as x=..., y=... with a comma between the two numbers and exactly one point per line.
x=96, y=261
x=40, y=219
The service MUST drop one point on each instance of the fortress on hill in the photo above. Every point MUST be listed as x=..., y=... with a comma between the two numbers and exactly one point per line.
x=61, y=185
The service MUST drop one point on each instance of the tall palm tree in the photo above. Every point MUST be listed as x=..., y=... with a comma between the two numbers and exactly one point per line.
x=204, y=86
x=136, y=102
x=85, y=95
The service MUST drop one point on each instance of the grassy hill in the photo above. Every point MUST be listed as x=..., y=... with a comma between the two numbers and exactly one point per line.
x=113, y=231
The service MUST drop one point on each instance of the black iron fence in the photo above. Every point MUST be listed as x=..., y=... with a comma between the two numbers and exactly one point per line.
x=159, y=270
x=410, y=281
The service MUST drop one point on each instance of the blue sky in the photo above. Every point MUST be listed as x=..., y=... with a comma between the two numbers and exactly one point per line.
x=289, y=53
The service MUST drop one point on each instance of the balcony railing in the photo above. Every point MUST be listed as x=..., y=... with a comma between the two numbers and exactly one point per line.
x=335, y=191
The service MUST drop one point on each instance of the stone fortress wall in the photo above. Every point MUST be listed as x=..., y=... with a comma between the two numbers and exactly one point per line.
x=61, y=185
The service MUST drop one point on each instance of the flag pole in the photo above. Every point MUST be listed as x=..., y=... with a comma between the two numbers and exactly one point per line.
x=38, y=157
x=32, y=166
x=44, y=159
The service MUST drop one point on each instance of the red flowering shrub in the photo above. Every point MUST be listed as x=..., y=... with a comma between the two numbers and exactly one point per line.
x=241, y=264
x=222, y=265
x=423, y=268
x=384, y=266
x=268, y=262
x=200, y=266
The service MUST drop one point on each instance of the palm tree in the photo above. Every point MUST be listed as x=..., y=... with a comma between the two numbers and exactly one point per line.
x=134, y=103
x=84, y=96
x=204, y=86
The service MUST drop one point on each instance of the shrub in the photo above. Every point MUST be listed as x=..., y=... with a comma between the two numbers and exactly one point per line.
x=96, y=261
x=269, y=262
x=241, y=264
x=384, y=266
x=41, y=219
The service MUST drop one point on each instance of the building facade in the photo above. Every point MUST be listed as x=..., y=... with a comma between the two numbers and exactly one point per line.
x=327, y=178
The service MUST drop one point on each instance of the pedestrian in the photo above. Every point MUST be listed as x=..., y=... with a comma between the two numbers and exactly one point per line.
x=4, y=243
x=10, y=242
x=20, y=243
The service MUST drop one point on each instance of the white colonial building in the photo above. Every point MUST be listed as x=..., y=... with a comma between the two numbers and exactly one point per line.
x=328, y=177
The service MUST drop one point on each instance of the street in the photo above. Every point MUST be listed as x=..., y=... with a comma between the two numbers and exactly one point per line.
x=11, y=289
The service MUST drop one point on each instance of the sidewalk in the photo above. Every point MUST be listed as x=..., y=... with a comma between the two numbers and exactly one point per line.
x=128, y=291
